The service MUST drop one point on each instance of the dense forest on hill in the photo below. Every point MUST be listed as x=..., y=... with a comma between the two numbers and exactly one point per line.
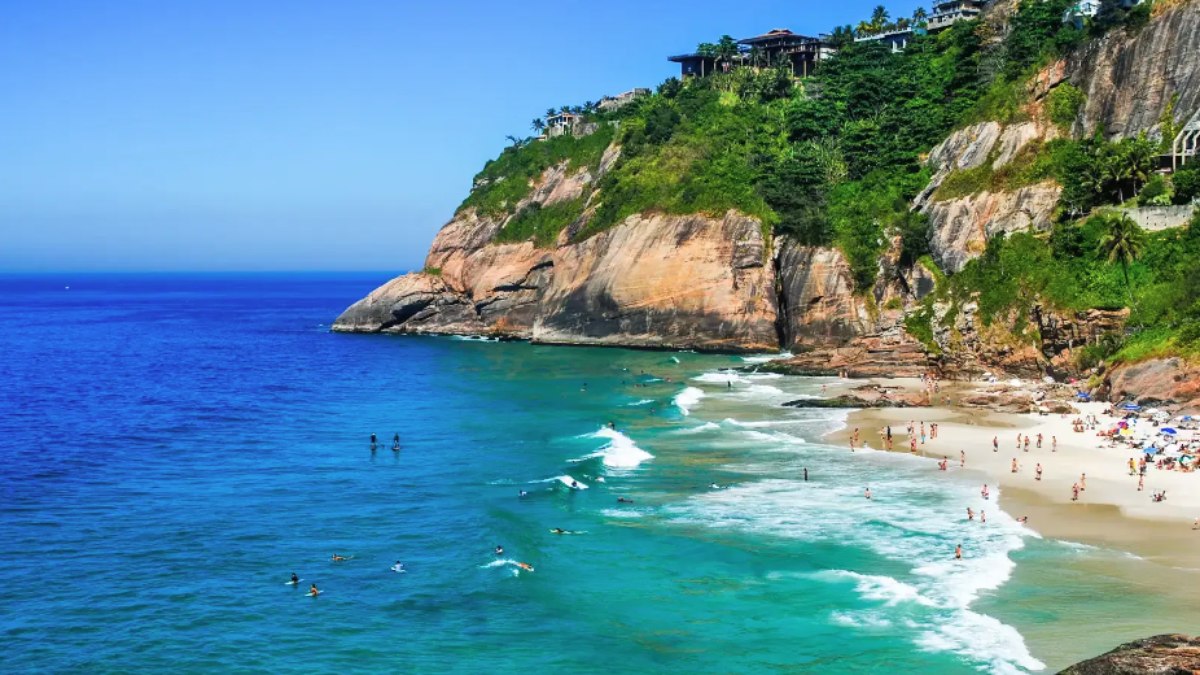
x=837, y=159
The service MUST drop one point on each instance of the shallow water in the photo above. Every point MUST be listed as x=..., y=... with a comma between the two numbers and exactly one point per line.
x=176, y=446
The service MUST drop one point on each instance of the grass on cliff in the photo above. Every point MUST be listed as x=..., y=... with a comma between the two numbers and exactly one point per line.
x=541, y=224
x=508, y=179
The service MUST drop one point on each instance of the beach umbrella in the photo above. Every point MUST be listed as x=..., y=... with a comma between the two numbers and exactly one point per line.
x=1131, y=406
x=1150, y=450
x=1167, y=430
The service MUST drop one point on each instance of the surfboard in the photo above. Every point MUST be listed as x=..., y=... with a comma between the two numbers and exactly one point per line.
x=292, y=583
x=525, y=566
x=310, y=594
x=397, y=571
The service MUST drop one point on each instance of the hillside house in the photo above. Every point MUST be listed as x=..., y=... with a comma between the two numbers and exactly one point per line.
x=800, y=52
x=561, y=124
x=1186, y=145
x=694, y=65
x=896, y=40
x=610, y=103
x=946, y=13
x=1086, y=9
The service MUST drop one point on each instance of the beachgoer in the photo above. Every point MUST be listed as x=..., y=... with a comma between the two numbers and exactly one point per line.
x=806, y=474
x=1196, y=525
x=970, y=514
x=1141, y=482
x=867, y=494
x=499, y=550
x=1039, y=440
x=372, y=439
x=1132, y=466
x=522, y=494
x=622, y=500
x=982, y=516
x=1023, y=519
x=338, y=558
x=1082, y=482
x=995, y=443
x=558, y=530
x=574, y=485
x=398, y=567
x=983, y=492
x=1054, y=444
x=1014, y=465
x=962, y=458
x=958, y=552
x=1038, y=472
x=312, y=590
x=1075, y=492
x=295, y=579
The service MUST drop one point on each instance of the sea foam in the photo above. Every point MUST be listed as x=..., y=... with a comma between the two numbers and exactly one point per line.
x=619, y=452
x=688, y=399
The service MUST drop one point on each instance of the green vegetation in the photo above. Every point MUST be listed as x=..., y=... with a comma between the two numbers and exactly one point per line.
x=1063, y=104
x=1187, y=185
x=506, y=180
x=542, y=224
x=432, y=271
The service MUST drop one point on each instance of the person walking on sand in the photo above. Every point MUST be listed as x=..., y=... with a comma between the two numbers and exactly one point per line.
x=912, y=445
x=1141, y=482
x=1018, y=441
x=1082, y=482
x=1038, y=472
x=1132, y=466
x=1054, y=444
x=1039, y=440
x=1026, y=444
x=1075, y=492
x=995, y=444
x=962, y=458
x=1014, y=465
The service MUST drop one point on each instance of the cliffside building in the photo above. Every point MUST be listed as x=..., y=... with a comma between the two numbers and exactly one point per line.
x=896, y=39
x=946, y=13
x=560, y=124
x=610, y=103
x=1186, y=145
x=1086, y=9
x=800, y=52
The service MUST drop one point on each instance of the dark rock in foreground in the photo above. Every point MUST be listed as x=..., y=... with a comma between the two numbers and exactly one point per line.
x=857, y=401
x=1159, y=655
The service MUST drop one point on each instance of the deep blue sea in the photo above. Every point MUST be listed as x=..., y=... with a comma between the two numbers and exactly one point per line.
x=175, y=446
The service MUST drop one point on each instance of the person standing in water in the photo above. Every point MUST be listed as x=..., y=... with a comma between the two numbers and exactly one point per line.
x=958, y=552
x=806, y=474
x=867, y=494
x=396, y=441
x=373, y=441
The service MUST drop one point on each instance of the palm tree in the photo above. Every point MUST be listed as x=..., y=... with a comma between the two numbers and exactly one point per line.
x=551, y=112
x=1123, y=241
x=727, y=48
x=863, y=29
x=919, y=15
x=879, y=18
x=537, y=125
x=513, y=140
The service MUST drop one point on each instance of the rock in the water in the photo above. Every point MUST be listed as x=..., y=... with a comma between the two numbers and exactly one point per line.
x=1159, y=655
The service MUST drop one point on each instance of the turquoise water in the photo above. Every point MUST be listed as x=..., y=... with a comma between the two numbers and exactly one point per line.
x=176, y=446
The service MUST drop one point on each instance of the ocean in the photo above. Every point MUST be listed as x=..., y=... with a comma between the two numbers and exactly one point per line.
x=175, y=446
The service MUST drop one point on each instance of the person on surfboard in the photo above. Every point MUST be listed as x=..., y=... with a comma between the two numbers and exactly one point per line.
x=312, y=591
x=295, y=579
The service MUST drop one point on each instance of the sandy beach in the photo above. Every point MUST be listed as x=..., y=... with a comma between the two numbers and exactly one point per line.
x=1110, y=512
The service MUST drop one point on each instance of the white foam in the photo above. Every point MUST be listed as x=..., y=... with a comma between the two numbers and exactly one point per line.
x=621, y=513
x=719, y=377
x=707, y=426
x=620, y=452
x=645, y=401
x=687, y=399
x=763, y=358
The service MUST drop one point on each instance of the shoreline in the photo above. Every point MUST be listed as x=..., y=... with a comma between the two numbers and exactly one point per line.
x=1110, y=513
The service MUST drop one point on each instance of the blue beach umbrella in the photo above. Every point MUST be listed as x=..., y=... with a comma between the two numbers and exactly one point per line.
x=1166, y=430
x=1132, y=406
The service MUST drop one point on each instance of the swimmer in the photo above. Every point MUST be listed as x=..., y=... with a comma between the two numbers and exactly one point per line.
x=312, y=591
x=714, y=486
x=338, y=558
x=499, y=550
x=958, y=552
x=522, y=494
x=622, y=500
x=970, y=514
x=559, y=530
x=982, y=516
x=525, y=566
x=1023, y=519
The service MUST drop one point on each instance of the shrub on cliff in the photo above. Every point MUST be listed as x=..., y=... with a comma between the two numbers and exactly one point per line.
x=1187, y=186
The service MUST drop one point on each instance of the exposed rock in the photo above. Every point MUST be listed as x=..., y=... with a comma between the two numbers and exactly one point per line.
x=1131, y=76
x=664, y=281
x=818, y=305
x=1169, y=383
x=1015, y=137
x=966, y=148
x=892, y=354
x=1159, y=655
x=883, y=400
x=962, y=227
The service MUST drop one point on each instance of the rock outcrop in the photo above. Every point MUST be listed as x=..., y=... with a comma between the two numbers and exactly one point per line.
x=1130, y=77
x=1159, y=655
x=962, y=227
x=817, y=300
x=1170, y=383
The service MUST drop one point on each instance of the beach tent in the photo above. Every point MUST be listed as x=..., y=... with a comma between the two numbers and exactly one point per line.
x=1131, y=406
x=1083, y=396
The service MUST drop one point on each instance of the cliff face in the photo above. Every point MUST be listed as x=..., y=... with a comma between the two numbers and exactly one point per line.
x=1130, y=77
x=1158, y=655
x=653, y=280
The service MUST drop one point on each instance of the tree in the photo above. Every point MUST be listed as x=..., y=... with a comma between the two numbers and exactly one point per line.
x=864, y=28
x=726, y=50
x=879, y=18
x=919, y=15
x=551, y=112
x=537, y=125
x=1122, y=242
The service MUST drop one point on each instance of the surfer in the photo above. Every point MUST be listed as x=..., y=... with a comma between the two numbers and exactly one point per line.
x=525, y=566
x=338, y=558
x=559, y=530
x=522, y=494
x=396, y=442
x=499, y=550
x=398, y=567
x=313, y=592
x=295, y=579
x=622, y=500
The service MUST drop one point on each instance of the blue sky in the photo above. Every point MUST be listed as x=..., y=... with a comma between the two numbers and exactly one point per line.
x=222, y=135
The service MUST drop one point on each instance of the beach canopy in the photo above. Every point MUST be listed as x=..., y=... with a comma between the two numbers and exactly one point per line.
x=1132, y=406
x=1082, y=396
x=1167, y=430
x=1150, y=450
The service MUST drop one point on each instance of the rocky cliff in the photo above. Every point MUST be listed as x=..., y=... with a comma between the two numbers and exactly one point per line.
x=1158, y=655
x=721, y=282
